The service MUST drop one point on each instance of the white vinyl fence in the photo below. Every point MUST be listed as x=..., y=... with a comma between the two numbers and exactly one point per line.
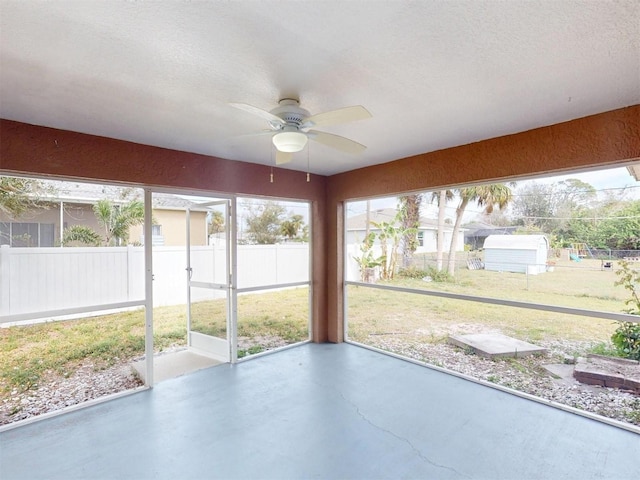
x=40, y=280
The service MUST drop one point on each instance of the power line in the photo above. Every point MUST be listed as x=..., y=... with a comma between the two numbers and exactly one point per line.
x=579, y=218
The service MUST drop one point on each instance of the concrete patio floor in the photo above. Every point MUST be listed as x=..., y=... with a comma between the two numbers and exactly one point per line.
x=319, y=411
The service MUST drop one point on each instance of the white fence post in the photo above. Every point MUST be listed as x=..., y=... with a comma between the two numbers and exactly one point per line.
x=5, y=284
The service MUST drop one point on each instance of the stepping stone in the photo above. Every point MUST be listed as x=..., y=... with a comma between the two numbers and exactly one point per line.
x=492, y=345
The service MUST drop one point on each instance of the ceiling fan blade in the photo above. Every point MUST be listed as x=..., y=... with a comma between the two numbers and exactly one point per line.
x=336, y=141
x=270, y=117
x=283, y=157
x=335, y=117
x=254, y=134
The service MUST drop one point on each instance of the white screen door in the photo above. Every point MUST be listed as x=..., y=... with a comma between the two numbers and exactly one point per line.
x=208, y=279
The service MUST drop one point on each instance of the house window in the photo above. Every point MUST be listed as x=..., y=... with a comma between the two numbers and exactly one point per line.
x=5, y=233
x=421, y=238
x=156, y=229
x=22, y=234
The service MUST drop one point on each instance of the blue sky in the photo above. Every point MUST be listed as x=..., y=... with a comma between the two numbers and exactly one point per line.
x=603, y=179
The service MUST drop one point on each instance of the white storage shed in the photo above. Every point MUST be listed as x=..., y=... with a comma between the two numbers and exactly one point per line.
x=516, y=253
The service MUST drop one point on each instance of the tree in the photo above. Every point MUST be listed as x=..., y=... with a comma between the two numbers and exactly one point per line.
x=573, y=194
x=367, y=261
x=550, y=206
x=392, y=232
x=487, y=196
x=264, y=222
x=441, y=198
x=22, y=195
x=410, y=218
x=216, y=222
x=116, y=220
x=614, y=224
x=621, y=231
x=534, y=205
x=291, y=228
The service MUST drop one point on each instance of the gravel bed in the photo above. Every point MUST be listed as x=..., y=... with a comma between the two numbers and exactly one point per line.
x=56, y=392
x=523, y=374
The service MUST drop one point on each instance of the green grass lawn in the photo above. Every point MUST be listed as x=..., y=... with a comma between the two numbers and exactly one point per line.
x=271, y=319
x=374, y=312
x=30, y=353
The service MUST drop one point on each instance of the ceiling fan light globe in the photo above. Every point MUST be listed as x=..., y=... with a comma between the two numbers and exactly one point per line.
x=290, y=141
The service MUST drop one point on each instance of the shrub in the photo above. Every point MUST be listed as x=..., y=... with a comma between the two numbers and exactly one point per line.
x=626, y=338
x=430, y=273
x=630, y=280
x=440, y=276
x=412, y=272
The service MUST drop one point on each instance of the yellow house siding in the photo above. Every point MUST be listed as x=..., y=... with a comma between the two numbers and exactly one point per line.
x=173, y=228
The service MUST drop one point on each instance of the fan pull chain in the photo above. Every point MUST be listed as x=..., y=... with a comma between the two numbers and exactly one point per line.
x=271, y=162
x=308, y=176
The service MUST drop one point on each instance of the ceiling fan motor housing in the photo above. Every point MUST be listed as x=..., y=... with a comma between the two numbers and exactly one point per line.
x=289, y=111
x=292, y=126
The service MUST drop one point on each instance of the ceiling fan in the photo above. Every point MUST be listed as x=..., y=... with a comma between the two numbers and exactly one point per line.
x=293, y=127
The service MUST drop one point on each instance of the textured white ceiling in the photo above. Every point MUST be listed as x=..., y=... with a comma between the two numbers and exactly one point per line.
x=434, y=74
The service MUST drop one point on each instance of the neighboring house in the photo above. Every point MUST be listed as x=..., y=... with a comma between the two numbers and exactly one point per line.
x=516, y=253
x=356, y=228
x=169, y=222
x=73, y=203
x=476, y=233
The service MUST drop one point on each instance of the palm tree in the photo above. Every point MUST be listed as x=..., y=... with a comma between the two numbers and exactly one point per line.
x=117, y=219
x=290, y=228
x=441, y=197
x=216, y=222
x=410, y=208
x=487, y=196
x=114, y=219
x=392, y=232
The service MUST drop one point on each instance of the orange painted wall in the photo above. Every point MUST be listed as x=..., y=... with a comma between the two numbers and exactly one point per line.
x=602, y=140
x=47, y=152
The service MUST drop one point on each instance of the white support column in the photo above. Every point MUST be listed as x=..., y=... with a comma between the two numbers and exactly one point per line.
x=232, y=243
x=148, y=284
x=188, y=271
